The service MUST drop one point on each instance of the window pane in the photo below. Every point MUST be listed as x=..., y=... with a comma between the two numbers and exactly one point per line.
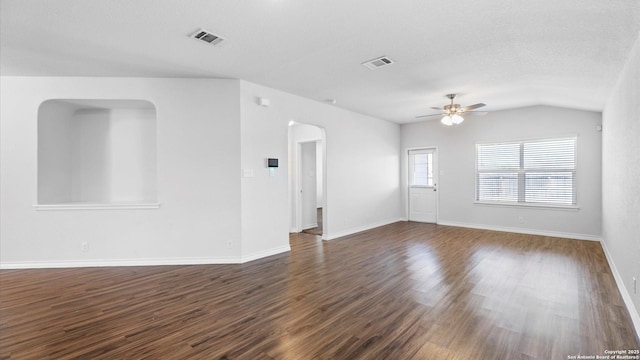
x=550, y=154
x=422, y=170
x=550, y=187
x=498, y=187
x=498, y=156
x=546, y=169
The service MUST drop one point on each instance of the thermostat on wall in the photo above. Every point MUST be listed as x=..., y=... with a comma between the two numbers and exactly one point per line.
x=272, y=163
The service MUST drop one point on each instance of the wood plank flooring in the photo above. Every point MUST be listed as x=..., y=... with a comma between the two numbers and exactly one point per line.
x=402, y=291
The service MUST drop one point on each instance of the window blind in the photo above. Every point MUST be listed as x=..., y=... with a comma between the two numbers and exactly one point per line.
x=527, y=172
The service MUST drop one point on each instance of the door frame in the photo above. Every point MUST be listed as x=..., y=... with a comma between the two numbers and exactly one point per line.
x=298, y=180
x=436, y=178
x=295, y=182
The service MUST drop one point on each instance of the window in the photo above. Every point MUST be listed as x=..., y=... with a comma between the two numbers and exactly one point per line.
x=421, y=167
x=527, y=172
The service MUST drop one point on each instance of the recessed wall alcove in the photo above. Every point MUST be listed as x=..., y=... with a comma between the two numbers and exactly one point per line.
x=96, y=154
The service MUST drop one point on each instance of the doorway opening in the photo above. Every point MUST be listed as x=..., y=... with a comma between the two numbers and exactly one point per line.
x=307, y=179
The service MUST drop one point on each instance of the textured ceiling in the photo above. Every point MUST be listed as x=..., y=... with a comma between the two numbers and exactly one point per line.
x=504, y=53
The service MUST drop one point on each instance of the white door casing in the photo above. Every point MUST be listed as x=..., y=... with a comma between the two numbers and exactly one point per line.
x=423, y=199
x=308, y=188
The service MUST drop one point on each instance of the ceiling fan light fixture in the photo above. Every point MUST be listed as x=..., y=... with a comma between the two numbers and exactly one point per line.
x=452, y=113
x=447, y=120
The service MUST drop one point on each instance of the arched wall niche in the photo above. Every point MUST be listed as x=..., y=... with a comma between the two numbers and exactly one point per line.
x=96, y=152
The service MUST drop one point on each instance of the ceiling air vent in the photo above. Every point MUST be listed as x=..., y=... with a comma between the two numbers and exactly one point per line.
x=377, y=63
x=206, y=36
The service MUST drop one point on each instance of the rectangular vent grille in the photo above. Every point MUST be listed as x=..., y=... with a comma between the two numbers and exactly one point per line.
x=377, y=63
x=207, y=37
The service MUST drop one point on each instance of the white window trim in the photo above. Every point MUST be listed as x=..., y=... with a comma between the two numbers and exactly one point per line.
x=528, y=205
x=571, y=207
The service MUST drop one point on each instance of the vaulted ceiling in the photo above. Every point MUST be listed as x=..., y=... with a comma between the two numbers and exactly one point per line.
x=504, y=53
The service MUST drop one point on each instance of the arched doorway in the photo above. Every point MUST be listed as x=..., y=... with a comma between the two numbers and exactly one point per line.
x=307, y=179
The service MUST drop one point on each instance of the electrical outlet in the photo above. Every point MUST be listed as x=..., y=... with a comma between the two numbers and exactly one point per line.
x=521, y=219
x=85, y=246
x=229, y=244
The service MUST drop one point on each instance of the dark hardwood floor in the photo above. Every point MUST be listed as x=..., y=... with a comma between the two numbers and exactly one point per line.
x=402, y=291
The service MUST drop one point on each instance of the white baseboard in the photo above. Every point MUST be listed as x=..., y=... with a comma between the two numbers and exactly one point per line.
x=118, y=262
x=523, y=230
x=626, y=295
x=309, y=226
x=141, y=262
x=359, y=229
x=264, y=253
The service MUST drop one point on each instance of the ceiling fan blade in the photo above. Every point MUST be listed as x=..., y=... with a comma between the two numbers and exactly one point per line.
x=423, y=116
x=476, y=113
x=474, y=106
x=436, y=108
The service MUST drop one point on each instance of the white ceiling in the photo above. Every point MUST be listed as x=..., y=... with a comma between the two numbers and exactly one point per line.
x=505, y=53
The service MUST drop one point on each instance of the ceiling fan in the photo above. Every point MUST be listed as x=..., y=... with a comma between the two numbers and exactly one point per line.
x=453, y=112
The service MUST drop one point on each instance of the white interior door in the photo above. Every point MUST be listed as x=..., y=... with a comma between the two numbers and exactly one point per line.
x=308, y=188
x=423, y=199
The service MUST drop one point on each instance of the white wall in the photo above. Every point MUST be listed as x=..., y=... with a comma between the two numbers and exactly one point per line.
x=90, y=160
x=54, y=154
x=621, y=177
x=319, y=174
x=207, y=131
x=456, y=156
x=264, y=219
x=132, y=153
x=198, y=157
x=362, y=188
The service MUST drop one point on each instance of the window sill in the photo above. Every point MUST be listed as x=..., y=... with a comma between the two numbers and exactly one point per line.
x=92, y=206
x=529, y=206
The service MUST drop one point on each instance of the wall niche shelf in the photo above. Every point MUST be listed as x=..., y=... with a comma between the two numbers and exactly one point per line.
x=110, y=206
x=96, y=154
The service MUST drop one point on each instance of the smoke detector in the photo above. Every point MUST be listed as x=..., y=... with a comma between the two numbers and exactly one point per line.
x=206, y=36
x=377, y=63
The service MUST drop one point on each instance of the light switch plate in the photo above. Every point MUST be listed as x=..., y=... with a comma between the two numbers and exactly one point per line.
x=247, y=172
